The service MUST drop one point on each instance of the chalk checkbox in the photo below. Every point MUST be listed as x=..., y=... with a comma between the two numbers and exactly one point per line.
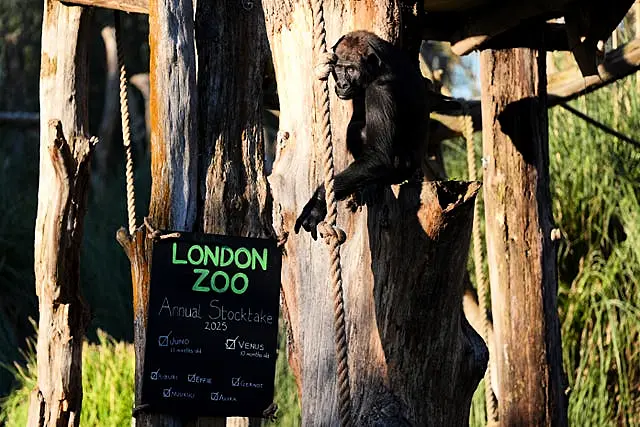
x=163, y=340
x=154, y=375
x=231, y=343
x=166, y=393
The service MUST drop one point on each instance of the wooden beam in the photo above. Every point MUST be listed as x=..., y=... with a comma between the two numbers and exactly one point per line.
x=567, y=85
x=563, y=86
x=528, y=35
x=520, y=250
x=491, y=21
x=132, y=6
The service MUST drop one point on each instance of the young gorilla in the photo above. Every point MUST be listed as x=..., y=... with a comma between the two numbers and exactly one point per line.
x=387, y=131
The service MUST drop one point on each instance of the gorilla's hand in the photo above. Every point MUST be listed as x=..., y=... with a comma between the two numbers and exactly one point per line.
x=313, y=213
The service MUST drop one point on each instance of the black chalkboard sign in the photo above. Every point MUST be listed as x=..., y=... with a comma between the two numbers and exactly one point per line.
x=212, y=328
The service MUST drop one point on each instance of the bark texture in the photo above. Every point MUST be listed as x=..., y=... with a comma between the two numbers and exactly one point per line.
x=233, y=193
x=65, y=152
x=232, y=53
x=173, y=115
x=521, y=253
x=413, y=359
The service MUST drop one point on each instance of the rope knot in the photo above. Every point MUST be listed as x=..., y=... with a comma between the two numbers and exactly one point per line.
x=329, y=232
x=325, y=66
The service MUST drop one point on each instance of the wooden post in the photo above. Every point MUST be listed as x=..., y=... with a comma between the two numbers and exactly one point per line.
x=232, y=53
x=521, y=253
x=173, y=162
x=65, y=151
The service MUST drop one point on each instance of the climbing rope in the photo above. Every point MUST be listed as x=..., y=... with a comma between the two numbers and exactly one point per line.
x=126, y=130
x=332, y=235
x=478, y=261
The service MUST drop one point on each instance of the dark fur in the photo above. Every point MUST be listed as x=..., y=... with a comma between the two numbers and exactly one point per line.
x=387, y=131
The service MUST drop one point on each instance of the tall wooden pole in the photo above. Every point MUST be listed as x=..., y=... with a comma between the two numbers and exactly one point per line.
x=521, y=253
x=173, y=203
x=65, y=152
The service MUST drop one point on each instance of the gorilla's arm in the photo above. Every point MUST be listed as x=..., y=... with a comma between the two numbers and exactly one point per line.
x=373, y=164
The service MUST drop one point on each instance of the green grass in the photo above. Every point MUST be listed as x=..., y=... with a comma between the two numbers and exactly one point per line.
x=286, y=390
x=107, y=381
x=596, y=187
x=108, y=384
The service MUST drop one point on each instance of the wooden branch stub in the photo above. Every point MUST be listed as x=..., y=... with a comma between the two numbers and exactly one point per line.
x=60, y=154
x=138, y=249
x=131, y=6
x=125, y=240
x=444, y=199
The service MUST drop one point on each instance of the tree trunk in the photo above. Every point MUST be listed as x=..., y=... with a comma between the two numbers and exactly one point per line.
x=232, y=53
x=234, y=196
x=412, y=356
x=62, y=198
x=173, y=162
x=521, y=253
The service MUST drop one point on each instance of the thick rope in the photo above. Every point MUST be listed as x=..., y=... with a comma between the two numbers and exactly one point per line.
x=478, y=261
x=126, y=130
x=332, y=234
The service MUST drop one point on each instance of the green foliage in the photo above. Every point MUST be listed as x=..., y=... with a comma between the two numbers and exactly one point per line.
x=596, y=187
x=286, y=396
x=478, y=413
x=107, y=381
x=108, y=384
x=15, y=406
x=20, y=23
x=105, y=274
